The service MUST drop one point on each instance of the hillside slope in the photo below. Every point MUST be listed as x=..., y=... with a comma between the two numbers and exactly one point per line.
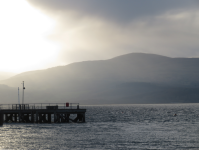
x=131, y=78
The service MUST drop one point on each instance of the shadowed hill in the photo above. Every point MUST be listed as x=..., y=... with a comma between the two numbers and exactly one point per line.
x=6, y=75
x=131, y=78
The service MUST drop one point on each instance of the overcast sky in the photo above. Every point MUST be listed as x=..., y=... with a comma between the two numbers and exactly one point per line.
x=102, y=29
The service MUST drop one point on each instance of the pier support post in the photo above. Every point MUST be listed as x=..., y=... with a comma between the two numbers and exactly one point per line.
x=6, y=117
x=49, y=118
x=36, y=117
x=32, y=117
x=45, y=120
x=67, y=117
x=15, y=115
x=55, y=117
x=40, y=119
x=58, y=118
x=11, y=117
x=19, y=116
x=1, y=118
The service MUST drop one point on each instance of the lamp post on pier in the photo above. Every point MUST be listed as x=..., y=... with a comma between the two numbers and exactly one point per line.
x=23, y=93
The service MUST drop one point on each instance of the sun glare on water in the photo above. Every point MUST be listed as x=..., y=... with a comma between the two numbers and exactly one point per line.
x=24, y=43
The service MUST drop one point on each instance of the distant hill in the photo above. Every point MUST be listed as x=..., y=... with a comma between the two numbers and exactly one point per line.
x=131, y=78
x=6, y=75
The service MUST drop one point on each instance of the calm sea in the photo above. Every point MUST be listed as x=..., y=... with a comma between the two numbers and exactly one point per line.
x=112, y=127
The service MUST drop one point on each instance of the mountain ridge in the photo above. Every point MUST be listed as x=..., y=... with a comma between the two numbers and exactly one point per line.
x=115, y=80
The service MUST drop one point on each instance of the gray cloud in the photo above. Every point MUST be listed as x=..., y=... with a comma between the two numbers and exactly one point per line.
x=101, y=29
x=115, y=10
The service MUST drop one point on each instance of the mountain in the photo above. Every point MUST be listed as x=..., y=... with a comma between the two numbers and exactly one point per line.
x=6, y=75
x=131, y=78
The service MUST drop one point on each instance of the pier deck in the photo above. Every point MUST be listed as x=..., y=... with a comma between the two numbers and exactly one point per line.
x=41, y=113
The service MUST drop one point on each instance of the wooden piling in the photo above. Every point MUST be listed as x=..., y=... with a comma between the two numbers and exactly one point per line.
x=1, y=118
x=55, y=117
x=32, y=117
x=15, y=115
x=49, y=118
x=37, y=117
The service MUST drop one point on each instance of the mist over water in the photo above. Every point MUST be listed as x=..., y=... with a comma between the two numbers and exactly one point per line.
x=137, y=126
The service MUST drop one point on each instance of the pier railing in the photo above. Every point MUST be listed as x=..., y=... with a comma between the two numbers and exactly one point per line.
x=39, y=106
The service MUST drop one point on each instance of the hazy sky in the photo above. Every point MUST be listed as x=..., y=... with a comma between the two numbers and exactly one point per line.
x=37, y=34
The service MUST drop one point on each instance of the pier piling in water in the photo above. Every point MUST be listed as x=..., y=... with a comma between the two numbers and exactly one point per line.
x=41, y=113
x=1, y=119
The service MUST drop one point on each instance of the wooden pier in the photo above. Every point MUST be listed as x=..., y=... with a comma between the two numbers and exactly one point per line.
x=41, y=113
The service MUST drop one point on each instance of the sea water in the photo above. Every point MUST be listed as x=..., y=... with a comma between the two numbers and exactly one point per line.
x=136, y=126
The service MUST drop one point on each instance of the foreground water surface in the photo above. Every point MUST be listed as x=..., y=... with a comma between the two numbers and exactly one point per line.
x=136, y=126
